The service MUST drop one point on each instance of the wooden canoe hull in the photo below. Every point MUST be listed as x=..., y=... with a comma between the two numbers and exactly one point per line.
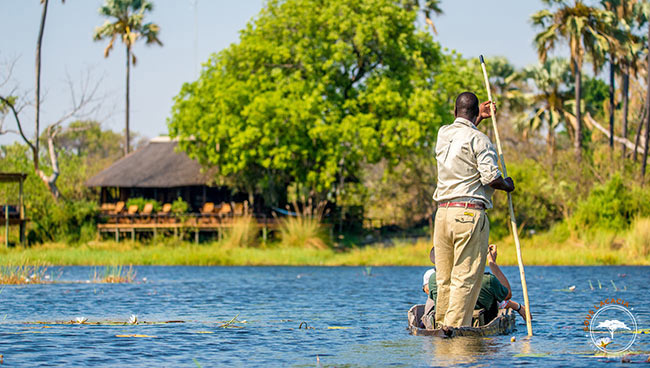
x=503, y=324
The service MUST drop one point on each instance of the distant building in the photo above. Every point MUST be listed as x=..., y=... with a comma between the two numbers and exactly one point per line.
x=159, y=171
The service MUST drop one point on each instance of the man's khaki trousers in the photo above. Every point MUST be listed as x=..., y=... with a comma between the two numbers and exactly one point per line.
x=460, y=239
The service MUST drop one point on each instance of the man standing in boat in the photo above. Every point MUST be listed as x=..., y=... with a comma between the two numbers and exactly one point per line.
x=468, y=174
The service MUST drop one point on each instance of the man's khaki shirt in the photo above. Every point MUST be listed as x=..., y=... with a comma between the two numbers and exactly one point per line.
x=467, y=163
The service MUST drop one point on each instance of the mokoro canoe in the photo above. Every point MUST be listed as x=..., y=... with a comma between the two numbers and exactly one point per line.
x=502, y=324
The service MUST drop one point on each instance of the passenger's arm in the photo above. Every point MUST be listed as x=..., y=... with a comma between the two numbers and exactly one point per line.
x=496, y=271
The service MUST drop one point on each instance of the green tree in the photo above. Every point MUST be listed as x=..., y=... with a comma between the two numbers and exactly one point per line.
x=622, y=48
x=583, y=27
x=314, y=90
x=548, y=101
x=127, y=23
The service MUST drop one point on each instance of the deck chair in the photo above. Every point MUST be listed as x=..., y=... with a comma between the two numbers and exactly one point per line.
x=131, y=212
x=115, y=214
x=145, y=214
x=164, y=215
x=225, y=209
x=207, y=213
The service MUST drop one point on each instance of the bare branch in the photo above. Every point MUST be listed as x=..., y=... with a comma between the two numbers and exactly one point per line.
x=20, y=128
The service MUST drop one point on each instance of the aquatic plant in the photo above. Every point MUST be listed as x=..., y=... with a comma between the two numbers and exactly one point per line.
x=23, y=274
x=114, y=275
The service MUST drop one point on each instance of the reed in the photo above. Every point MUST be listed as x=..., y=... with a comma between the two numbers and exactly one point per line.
x=114, y=275
x=242, y=233
x=305, y=230
x=23, y=273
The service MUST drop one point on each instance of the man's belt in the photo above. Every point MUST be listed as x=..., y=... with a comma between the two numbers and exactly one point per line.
x=474, y=206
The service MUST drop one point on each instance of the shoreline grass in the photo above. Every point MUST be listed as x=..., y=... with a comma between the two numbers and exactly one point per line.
x=602, y=249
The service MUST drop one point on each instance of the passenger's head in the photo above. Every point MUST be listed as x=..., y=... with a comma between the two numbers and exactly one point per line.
x=466, y=106
x=425, y=279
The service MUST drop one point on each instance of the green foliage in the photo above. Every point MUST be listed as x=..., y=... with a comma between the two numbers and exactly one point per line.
x=314, y=90
x=179, y=206
x=539, y=200
x=141, y=202
x=612, y=205
x=595, y=94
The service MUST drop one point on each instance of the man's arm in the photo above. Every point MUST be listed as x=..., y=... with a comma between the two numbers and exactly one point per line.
x=503, y=184
x=496, y=271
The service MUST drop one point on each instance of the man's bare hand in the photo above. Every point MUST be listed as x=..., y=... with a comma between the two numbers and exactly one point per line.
x=492, y=253
x=484, y=111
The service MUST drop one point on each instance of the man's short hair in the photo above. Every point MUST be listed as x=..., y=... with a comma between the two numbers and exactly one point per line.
x=467, y=105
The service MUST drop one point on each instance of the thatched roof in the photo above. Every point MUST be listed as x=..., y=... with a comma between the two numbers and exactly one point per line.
x=157, y=165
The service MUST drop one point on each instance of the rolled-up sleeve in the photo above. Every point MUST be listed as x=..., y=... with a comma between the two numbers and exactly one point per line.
x=486, y=160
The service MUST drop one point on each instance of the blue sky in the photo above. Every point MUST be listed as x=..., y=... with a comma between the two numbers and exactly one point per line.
x=471, y=27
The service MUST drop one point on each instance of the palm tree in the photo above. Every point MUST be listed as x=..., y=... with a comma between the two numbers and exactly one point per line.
x=582, y=26
x=622, y=53
x=428, y=7
x=127, y=22
x=551, y=82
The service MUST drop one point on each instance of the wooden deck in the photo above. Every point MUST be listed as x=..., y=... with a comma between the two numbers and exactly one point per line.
x=130, y=225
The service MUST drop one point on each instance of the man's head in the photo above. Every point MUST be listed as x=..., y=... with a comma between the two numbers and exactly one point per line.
x=466, y=106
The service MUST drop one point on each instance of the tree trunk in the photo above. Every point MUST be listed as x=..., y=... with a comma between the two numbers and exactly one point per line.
x=611, y=105
x=639, y=129
x=577, y=143
x=39, y=42
x=626, y=98
x=127, y=136
x=50, y=180
x=647, y=118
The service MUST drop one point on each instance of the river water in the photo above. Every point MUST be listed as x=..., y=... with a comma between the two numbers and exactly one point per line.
x=354, y=318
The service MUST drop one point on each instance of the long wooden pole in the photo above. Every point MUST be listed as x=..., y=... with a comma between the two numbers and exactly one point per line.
x=513, y=221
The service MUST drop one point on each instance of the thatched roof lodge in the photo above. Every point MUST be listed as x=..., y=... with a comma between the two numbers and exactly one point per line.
x=159, y=171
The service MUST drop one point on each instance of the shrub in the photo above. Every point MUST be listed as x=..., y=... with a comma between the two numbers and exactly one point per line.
x=242, y=233
x=179, y=206
x=303, y=231
x=612, y=206
x=141, y=202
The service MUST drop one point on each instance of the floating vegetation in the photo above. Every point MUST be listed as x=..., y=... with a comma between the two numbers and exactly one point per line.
x=80, y=320
x=114, y=275
x=232, y=323
x=23, y=274
x=532, y=355
x=338, y=328
x=84, y=321
x=136, y=335
x=307, y=327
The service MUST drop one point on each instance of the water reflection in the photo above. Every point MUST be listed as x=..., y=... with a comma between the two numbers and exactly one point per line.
x=457, y=351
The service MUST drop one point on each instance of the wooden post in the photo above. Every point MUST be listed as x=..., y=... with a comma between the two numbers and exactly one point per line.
x=21, y=211
x=117, y=234
x=133, y=234
x=6, y=225
x=513, y=221
x=196, y=236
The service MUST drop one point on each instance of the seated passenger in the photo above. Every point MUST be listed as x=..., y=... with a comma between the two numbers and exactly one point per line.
x=495, y=292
